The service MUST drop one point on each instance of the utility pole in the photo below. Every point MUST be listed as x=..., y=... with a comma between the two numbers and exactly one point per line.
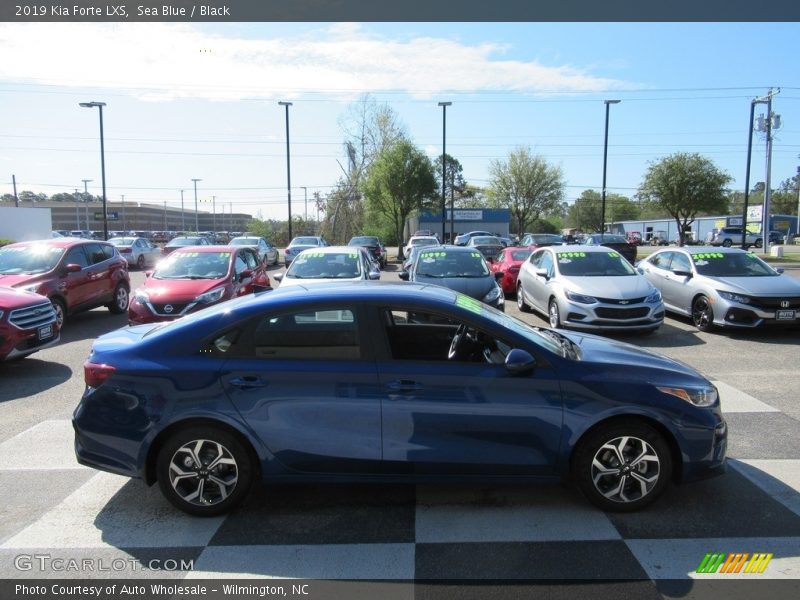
x=766, y=125
x=123, y=212
x=14, y=183
x=214, y=213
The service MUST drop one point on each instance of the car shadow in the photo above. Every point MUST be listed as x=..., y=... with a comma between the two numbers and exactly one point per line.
x=91, y=324
x=30, y=376
x=667, y=336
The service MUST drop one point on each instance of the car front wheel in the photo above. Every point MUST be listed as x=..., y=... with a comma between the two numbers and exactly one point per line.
x=204, y=471
x=623, y=466
x=553, y=314
x=61, y=311
x=702, y=314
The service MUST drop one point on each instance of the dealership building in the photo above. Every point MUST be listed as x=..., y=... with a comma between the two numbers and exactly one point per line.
x=463, y=220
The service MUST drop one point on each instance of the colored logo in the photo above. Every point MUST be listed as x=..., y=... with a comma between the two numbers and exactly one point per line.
x=734, y=562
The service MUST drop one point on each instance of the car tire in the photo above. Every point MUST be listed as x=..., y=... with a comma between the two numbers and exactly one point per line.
x=195, y=489
x=553, y=314
x=727, y=243
x=622, y=466
x=140, y=262
x=521, y=304
x=121, y=299
x=61, y=311
x=702, y=314
x=759, y=243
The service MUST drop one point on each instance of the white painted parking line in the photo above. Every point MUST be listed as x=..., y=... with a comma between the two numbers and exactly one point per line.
x=679, y=559
x=339, y=561
x=736, y=401
x=780, y=479
x=47, y=445
x=110, y=510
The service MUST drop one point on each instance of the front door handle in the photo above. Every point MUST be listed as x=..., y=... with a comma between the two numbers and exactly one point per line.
x=247, y=382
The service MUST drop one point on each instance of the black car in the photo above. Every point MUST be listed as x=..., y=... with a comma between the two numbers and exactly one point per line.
x=615, y=242
x=459, y=268
x=373, y=245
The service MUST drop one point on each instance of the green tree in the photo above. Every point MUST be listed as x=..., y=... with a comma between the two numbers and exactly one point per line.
x=526, y=185
x=399, y=181
x=584, y=214
x=685, y=185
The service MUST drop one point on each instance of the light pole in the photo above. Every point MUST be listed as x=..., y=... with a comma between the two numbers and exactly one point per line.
x=214, y=214
x=183, y=215
x=608, y=103
x=288, y=168
x=305, y=199
x=123, y=212
x=86, y=201
x=196, y=221
x=100, y=106
x=444, y=106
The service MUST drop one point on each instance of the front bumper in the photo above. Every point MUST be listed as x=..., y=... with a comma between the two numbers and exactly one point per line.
x=602, y=316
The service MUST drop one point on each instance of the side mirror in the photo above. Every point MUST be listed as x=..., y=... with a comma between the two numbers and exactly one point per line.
x=404, y=275
x=520, y=362
x=498, y=275
x=542, y=273
x=148, y=273
x=681, y=273
x=278, y=277
x=779, y=270
x=374, y=275
x=73, y=268
x=245, y=274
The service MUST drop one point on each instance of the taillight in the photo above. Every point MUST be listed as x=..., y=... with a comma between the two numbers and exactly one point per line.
x=513, y=269
x=126, y=250
x=95, y=375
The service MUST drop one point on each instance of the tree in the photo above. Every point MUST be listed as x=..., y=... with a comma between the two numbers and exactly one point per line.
x=399, y=181
x=454, y=185
x=527, y=186
x=684, y=185
x=584, y=214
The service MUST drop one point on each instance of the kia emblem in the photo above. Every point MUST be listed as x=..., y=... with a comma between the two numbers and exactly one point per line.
x=168, y=308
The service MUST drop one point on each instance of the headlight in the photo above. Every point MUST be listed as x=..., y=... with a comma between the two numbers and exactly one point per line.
x=699, y=396
x=581, y=298
x=212, y=296
x=654, y=297
x=1, y=314
x=494, y=294
x=141, y=296
x=734, y=297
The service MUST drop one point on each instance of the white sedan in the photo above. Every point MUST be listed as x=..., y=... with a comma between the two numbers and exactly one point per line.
x=329, y=264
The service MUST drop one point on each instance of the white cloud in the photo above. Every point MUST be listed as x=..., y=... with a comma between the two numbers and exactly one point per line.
x=163, y=61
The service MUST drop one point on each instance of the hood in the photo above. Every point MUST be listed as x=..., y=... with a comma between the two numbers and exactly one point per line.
x=11, y=298
x=626, y=286
x=604, y=351
x=475, y=287
x=179, y=290
x=17, y=280
x=753, y=286
x=290, y=281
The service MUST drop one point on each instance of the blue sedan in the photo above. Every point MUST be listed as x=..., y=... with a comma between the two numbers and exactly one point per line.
x=388, y=382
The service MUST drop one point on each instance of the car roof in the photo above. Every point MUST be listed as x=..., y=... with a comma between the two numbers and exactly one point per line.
x=332, y=250
x=66, y=242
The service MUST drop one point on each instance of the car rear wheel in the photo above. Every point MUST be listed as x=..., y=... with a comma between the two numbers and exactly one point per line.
x=702, y=314
x=121, y=298
x=622, y=466
x=727, y=243
x=553, y=314
x=759, y=243
x=204, y=471
x=521, y=304
x=140, y=262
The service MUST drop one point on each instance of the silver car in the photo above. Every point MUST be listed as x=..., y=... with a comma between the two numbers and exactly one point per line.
x=588, y=287
x=267, y=253
x=139, y=252
x=725, y=287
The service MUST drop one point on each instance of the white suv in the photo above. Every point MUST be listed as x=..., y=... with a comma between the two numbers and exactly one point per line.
x=732, y=236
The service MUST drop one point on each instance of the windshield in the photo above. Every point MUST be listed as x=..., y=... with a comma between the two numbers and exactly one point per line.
x=444, y=263
x=550, y=340
x=731, y=264
x=424, y=241
x=28, y=260
x=194, y=265
x=607, y=239
x=118, y=241
x=185, y=241
x=363, y=241
x=520, y=254
x=593, y=264
x=325, y=265
x=244, y=242
x=485, y=240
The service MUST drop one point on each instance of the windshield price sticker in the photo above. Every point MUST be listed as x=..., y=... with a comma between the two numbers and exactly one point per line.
x=468, y=303
x=476, y=255
x=708, y=255
x=566, y=257
x=614, y=255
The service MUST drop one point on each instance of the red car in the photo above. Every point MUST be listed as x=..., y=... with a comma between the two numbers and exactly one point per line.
x=192, y=278
x=75, y=274
x=27, y=323
x=508, y=262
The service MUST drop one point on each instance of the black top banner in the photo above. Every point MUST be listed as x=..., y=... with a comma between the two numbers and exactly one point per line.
x=400, y=10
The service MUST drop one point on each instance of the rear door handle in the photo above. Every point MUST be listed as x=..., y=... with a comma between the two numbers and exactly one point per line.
x=247, y=381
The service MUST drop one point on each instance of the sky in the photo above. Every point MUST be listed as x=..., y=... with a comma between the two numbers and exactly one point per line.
x=200, y=100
